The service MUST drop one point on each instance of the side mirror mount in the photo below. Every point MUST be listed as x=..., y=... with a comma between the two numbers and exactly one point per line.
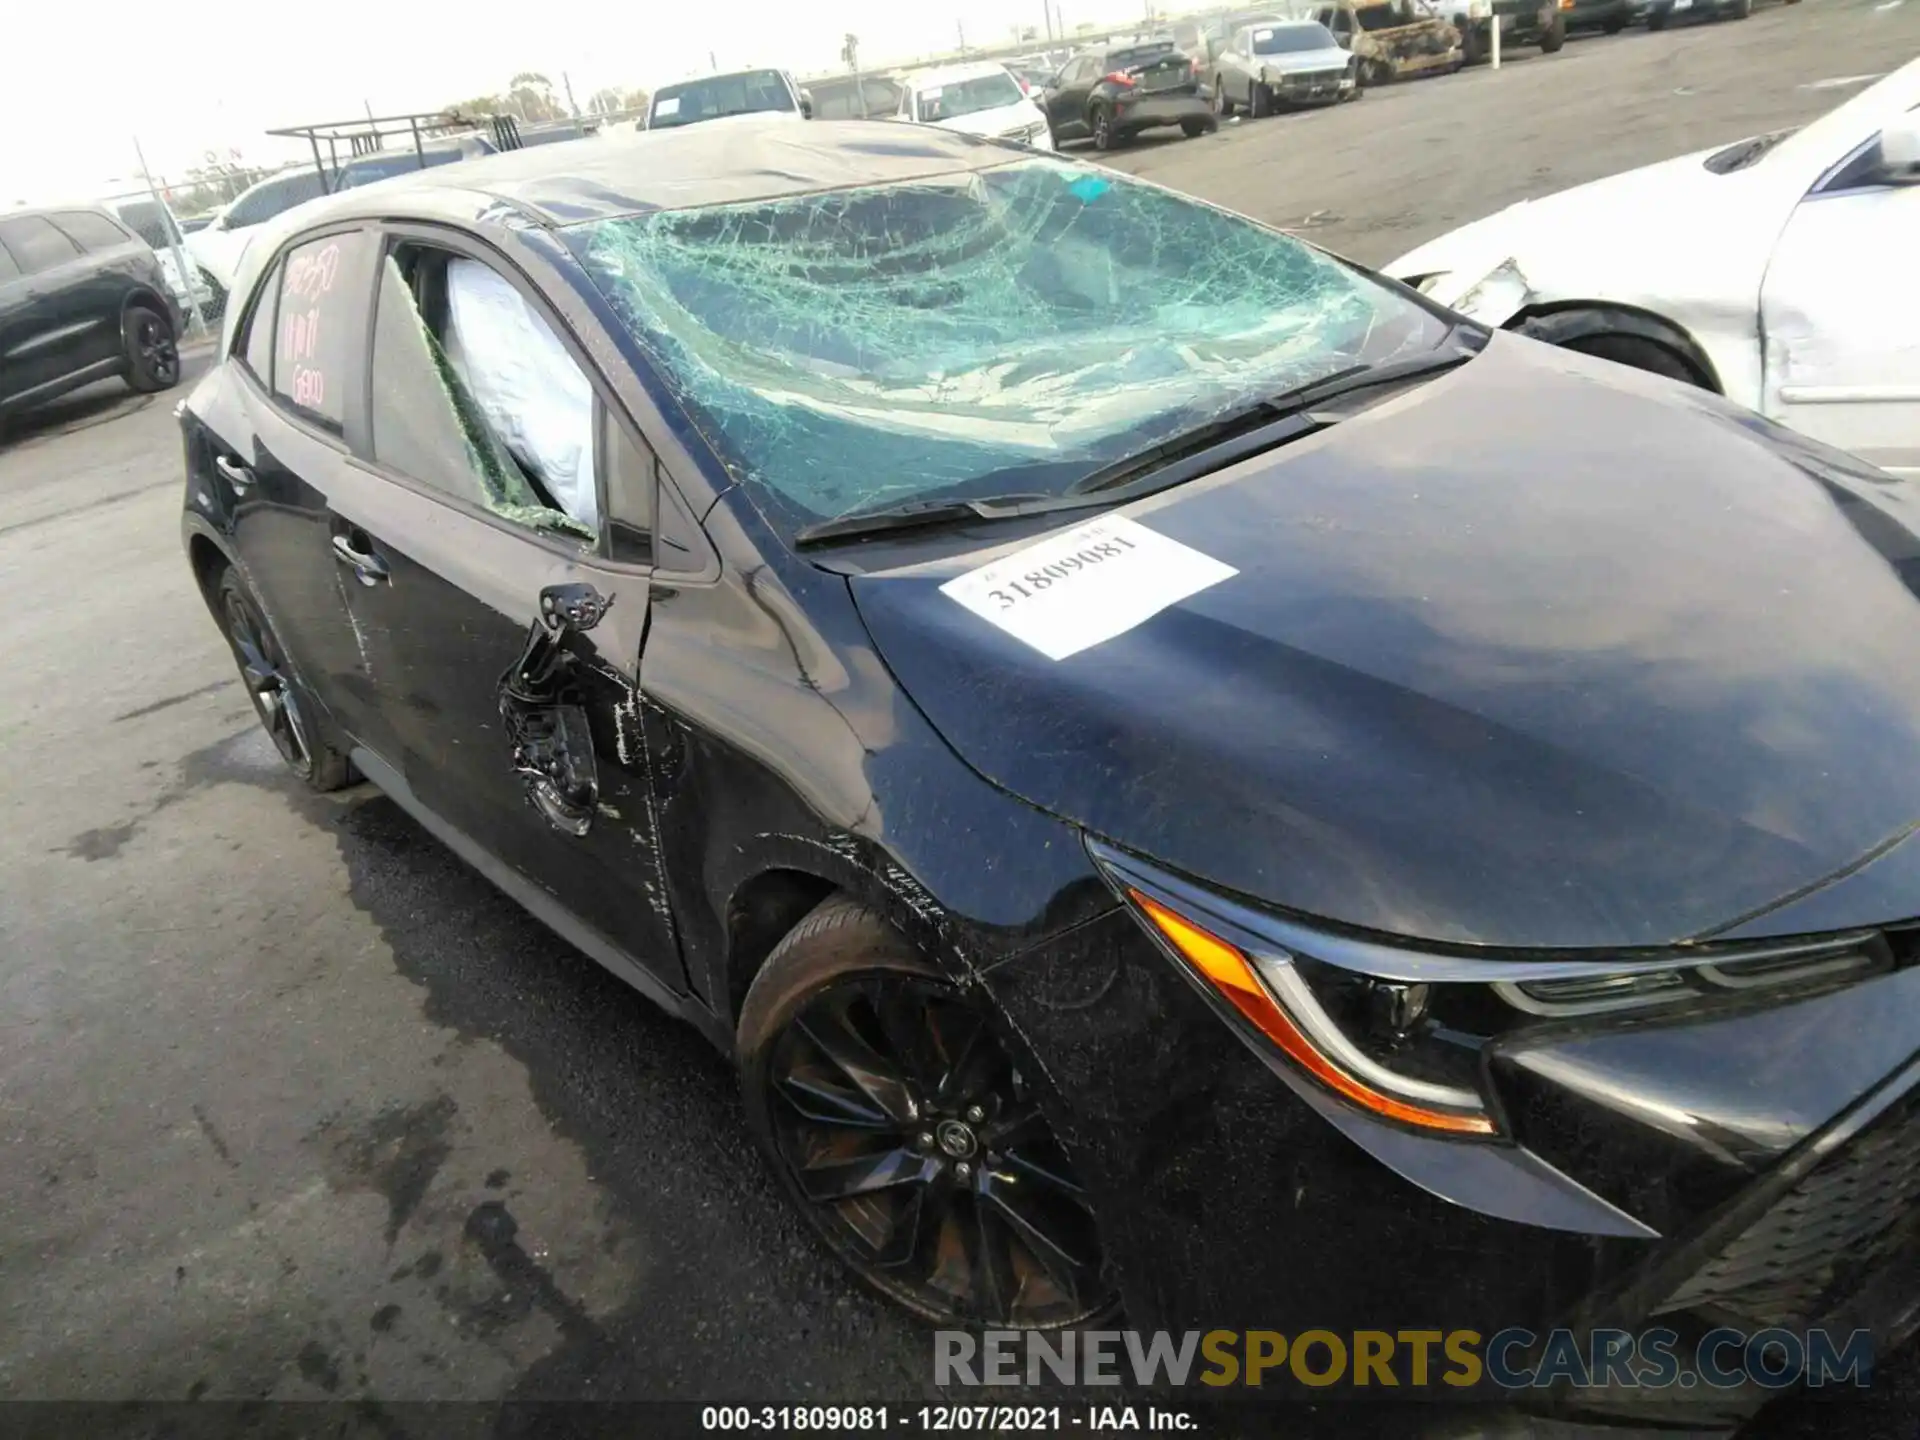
x=806, y=104
x=1898, y=161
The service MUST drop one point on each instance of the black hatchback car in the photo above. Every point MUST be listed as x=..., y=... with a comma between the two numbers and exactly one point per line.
x=82, y=298
x=1186, y=776
x=1111, y=94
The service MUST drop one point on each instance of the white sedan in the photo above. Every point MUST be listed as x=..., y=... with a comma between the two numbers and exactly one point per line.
x=979, y=99
x=1778, y=271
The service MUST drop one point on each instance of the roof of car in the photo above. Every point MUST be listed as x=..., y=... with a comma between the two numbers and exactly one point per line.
x=953, y=74
x=686, y=167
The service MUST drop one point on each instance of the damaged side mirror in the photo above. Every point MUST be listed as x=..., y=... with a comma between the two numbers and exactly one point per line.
x=551, y=742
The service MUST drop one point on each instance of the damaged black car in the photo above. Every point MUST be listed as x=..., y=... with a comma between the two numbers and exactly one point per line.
x=1189, y=778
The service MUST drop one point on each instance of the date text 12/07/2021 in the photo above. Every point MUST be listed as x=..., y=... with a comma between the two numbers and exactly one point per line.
x=942, y=1419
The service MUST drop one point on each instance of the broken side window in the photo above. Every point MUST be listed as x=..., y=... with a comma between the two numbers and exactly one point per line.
x=427, y=421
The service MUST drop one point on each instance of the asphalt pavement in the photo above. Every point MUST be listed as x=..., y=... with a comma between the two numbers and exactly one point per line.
x=294, y=1106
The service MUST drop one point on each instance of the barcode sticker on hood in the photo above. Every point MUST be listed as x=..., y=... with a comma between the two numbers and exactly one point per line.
x=1074, y=590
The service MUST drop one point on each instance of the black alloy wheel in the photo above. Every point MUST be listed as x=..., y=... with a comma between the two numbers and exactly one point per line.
x=906, y=1136
x=1103, y=133
x=271, y=688
x=153, y=359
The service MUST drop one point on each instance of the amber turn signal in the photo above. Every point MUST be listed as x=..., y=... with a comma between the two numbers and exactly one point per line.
x=1229, y=972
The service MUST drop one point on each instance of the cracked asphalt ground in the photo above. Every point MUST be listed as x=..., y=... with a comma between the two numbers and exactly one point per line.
x=293, y=1105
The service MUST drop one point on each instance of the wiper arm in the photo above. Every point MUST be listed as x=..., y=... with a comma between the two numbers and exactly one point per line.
x=941, y=512
x=1210, y=446
x=1271, y=421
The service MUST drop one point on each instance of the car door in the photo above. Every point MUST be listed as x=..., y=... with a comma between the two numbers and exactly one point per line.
x=267, y=441
x=58, y=325
x=16, y=324
x=1840, y=312
x=505, y=632
x=1067, y=101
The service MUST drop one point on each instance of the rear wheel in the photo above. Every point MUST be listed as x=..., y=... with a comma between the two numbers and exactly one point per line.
x=1739, y=10
x=153, y=356
x=1613, y=26
x=1555, y=36
x=902, y=1130
x=1104, y=135
x=300, y=737
x=1193, y=129
x=1656, y=20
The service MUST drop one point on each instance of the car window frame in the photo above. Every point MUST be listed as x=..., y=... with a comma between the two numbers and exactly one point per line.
x=607, y=406
x=127, y=237
x=274, y=268
x=46, y=218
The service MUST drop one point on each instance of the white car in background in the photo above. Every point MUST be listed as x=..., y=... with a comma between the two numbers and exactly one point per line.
x=1779, y=271
x=979, y=99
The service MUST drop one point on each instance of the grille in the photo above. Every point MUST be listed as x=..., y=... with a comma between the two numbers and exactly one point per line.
x=1312, y=77
x=1836, y=1221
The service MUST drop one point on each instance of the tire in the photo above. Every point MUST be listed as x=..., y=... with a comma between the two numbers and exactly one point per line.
x=1472, y=52
x=1194, y=129
x=1656, y=20
x=1104, y=135
x=920, y=1121
x=1640, y=353
x=1555, y=35
x=299, y=732
x=153, y=353
x=1740, y=10
x=1259, y=101
x=1222, y=106
x=1613, y=26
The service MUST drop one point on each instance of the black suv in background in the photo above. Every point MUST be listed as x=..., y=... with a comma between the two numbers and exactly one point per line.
x=81, y=298
x=1111, y=94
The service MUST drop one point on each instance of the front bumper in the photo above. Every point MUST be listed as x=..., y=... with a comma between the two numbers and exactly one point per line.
x=1146, y=112
x=1311, y=89
x=1752, y=1165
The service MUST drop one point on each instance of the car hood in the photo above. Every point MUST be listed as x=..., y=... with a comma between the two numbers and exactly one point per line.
x=1021, y=115
x=1672, y=229
x=1292, y=63
x=1544, y=652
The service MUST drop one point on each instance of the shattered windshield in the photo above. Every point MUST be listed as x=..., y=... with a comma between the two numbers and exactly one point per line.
x=717, y=95
x=968, y=97
x=1014, y=328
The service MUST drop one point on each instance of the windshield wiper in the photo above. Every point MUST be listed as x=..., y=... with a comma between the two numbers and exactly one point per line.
x=1268, y=422
x=1211, y=446
x=942, y=512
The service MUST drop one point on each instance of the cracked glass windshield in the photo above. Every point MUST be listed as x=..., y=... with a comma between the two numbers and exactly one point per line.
x=1009, y=329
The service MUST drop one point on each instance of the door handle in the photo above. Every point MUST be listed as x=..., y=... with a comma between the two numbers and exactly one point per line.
x=235, y=474
x=367, y=567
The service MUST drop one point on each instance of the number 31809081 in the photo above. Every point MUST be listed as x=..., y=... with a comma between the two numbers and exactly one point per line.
x=1037, y=580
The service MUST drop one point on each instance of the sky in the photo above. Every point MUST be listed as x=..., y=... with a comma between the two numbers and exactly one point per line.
x=72, y=105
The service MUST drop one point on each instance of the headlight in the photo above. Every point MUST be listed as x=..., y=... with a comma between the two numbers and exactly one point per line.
x=1400, y=1033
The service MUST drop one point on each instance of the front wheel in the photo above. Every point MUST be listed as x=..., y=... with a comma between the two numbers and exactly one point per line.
x=901, y=1128
x=1555, y=36
x=1222, y=106
x=299, y=737
x=1472, y=49
x=1613, y=26
x=1656, y=20
x=1194, y=129
x=153, y=356
x=1260, y=101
